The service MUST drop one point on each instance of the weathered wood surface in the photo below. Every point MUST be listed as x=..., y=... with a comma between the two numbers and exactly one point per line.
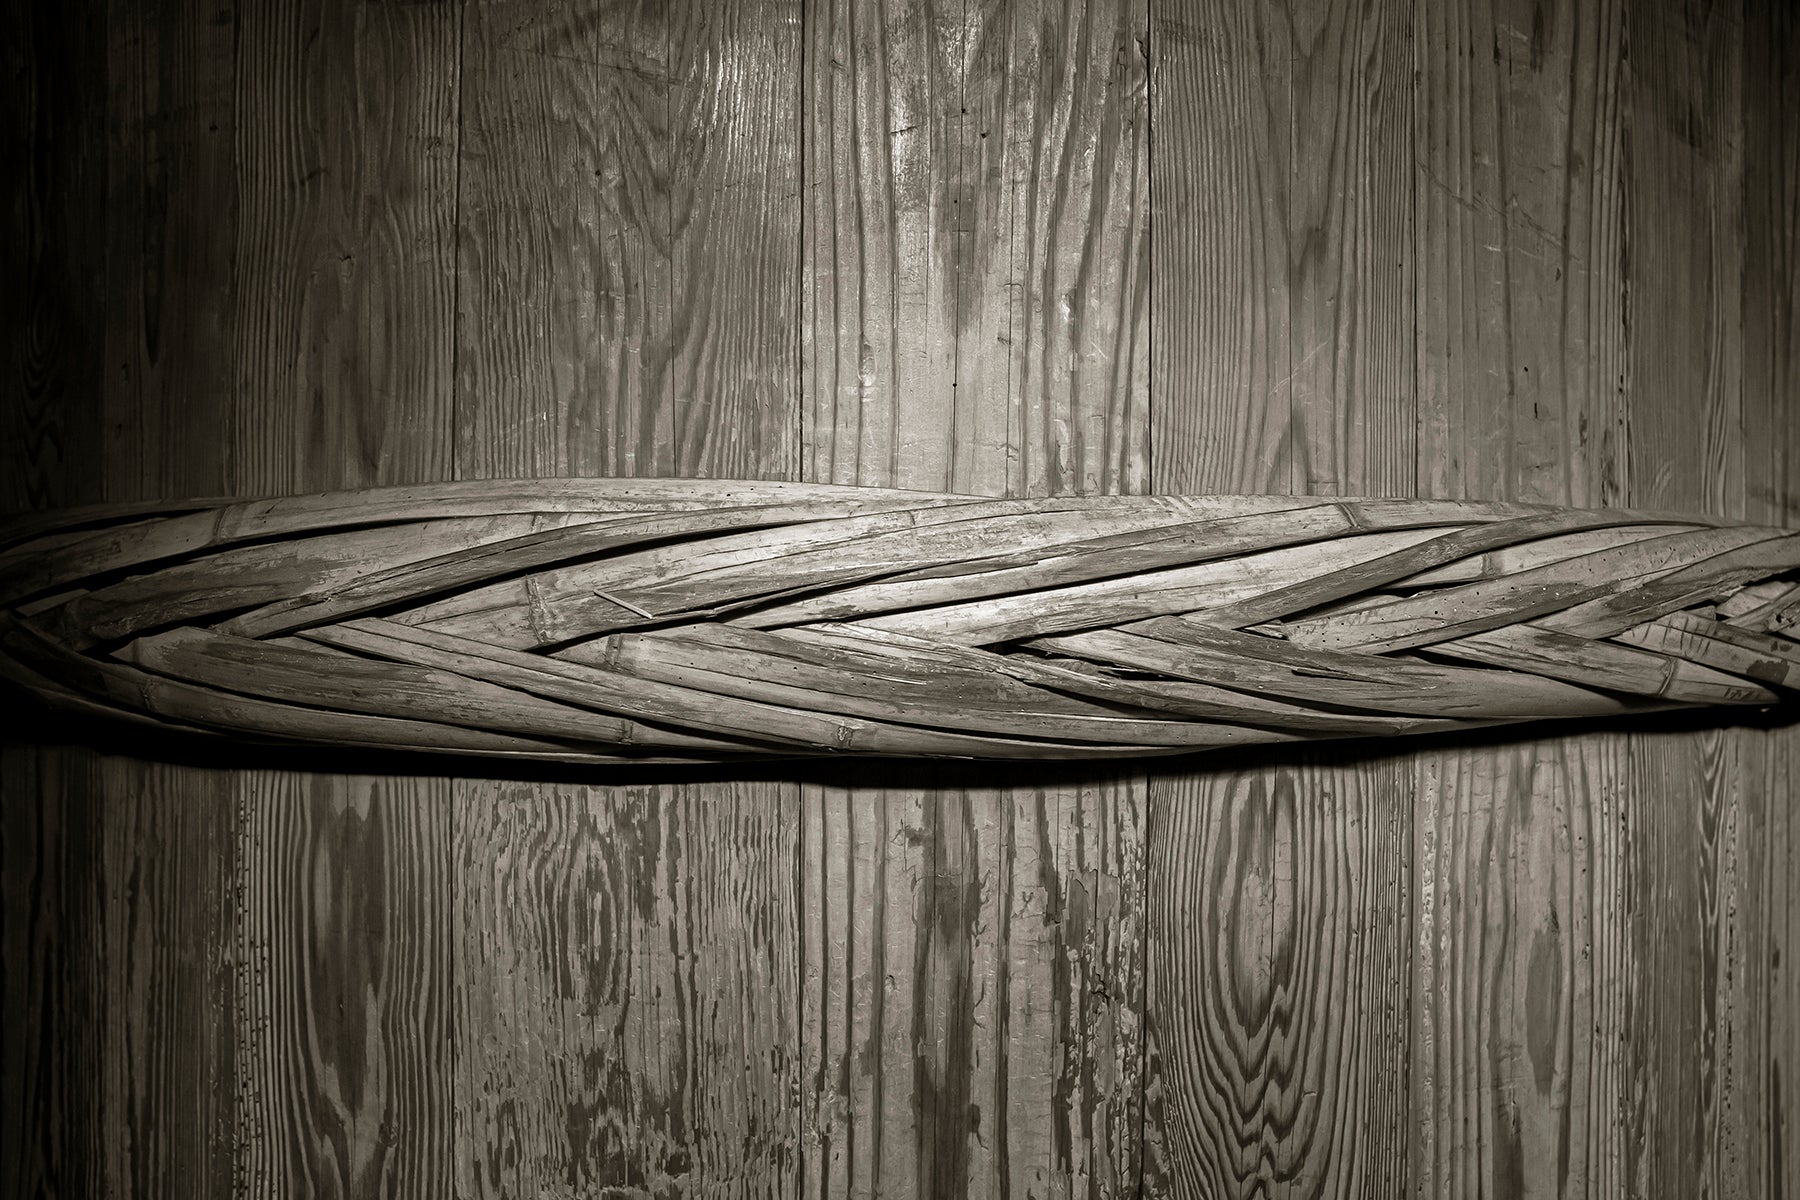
x=1503, y=251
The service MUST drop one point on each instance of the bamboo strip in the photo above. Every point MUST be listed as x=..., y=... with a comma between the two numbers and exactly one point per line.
x=606, y=621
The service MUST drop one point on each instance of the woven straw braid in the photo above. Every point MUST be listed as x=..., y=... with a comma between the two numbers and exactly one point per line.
x=682, y=620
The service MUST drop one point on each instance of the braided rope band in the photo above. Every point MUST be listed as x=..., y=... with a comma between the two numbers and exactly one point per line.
x=685, y=620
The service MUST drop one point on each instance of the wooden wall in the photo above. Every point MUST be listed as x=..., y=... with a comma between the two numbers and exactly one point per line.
x=1483, y=248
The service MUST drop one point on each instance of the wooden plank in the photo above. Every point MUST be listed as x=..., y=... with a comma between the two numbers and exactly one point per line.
x=1283, y=329
x=341, y=337
x=346, y=192
x=975, y=311
x=1052, y=195
x=1519, y=195
x=1278, y=978
x=1644, y=858
x=624, y=196
x=972, y=960
x=974, y=318
x=171, y=244
x=56, y=110
x=1222, y=178
x=119, y=886
x=628, y=956
x=1759, y=928
x=52, y=1140
x=1523, y=947
x=882, y=111
x=119, y=874
x=55, y=96
x=343, y=956
x=626, y=1021
x=1682, y=1127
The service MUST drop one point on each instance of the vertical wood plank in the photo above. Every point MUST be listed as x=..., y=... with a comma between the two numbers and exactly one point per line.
x=163, y=912
x=628, y=241
x=1521, y=202
x=631, y=1026
x=119, y=873
x=975, y=315
x=1221, y=177
x=884, y=126
x=52, y=1138
x=1636, y=862
x=1525, y=948
x=1278, y=982
x=1283, y=324
x=342, y=317
x=628, y=256
x=1053, y=271
x=1762, y=1038
x=1685, y=236
x=342, y=999
x=50, y=439
x=55, y=220
x=119, y=1056
x=973, y=962
x=1526, y=857
x=538, y=273
x=171, y=247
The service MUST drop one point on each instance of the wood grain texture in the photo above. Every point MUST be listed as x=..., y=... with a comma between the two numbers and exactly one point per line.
x=343, y=957
x=884, y=119
x=341, y=340
x=120, y=1056
x=1524, y=946
x=1763, y=1038
x=119, y=874
x=627, y=1022
x=628, y=240
x=56, y=200
x=346, y=204
x=974, y=318
x=1469, y=249
x=1615, y=927
x=1283, y=324
x=971, y=988
x=1052, y=267
x=627, y=273
x=1279, y=982
x=172, y=236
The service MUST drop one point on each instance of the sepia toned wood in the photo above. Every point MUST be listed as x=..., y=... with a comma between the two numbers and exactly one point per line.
x=1051, y=188
x=1521, y=1067
x=628, y=957
x=1274, y=894
x=344, y=960
x=1563, y=234
x=1646, y=824
x=1283, y=325
x=347, y=152
x=341, y=351
x=618, y=935
x=973, y=321
x=55, y=207
x=171, y=242
x=884, y=120
x=119, y=875
x=628, y=188
x=972, y=967
x=1761, y=1054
